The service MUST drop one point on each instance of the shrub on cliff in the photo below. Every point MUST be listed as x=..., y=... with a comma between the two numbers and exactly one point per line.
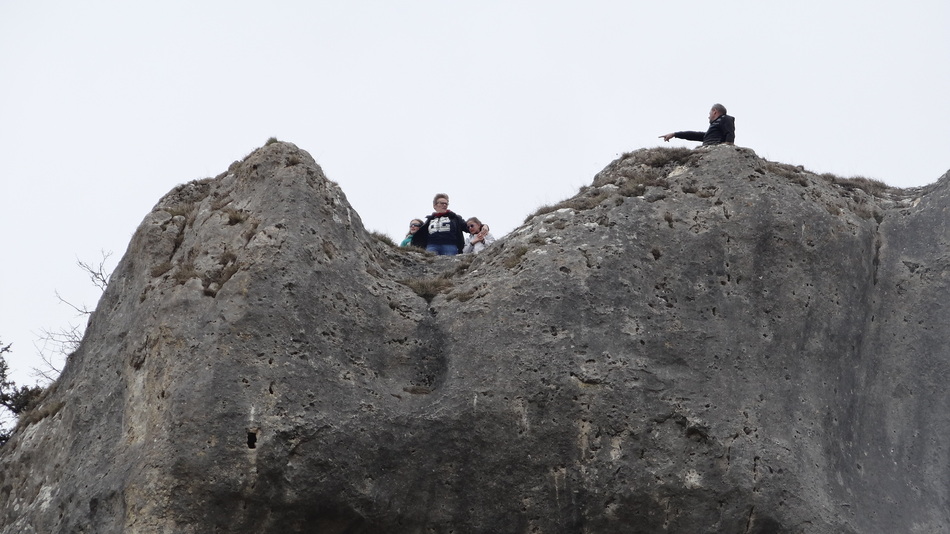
x=13, y=399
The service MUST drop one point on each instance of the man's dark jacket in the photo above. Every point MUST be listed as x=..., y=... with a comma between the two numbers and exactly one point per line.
x=721, y=130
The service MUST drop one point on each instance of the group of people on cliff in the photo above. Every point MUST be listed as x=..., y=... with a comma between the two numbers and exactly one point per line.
x=446, y=233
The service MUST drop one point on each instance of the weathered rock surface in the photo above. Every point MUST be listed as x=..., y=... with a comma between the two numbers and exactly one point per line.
x=701, y=341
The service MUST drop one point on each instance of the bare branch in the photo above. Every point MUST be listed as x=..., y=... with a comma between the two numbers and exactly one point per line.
x=80, y=309
x=97, y=273
x=55, y=348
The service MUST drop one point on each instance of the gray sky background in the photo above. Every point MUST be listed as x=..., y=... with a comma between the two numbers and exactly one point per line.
x=105, y=106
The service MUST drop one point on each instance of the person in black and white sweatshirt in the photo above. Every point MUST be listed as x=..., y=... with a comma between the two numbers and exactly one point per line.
x=443, y=232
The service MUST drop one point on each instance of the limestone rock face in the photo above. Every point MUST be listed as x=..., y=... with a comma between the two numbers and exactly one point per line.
x=700, y=341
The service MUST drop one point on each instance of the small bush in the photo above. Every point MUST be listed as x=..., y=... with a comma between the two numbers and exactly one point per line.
x=271, y=141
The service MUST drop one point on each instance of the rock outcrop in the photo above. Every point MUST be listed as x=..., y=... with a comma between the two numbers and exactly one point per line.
x=700, y=341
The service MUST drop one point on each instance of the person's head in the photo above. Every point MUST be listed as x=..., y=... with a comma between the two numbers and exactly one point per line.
x=474, y=225
x=441, y=202
x=415, y=225
x=718, y=110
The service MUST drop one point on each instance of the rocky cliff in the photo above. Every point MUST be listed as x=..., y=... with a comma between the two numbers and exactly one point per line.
x=700, y=341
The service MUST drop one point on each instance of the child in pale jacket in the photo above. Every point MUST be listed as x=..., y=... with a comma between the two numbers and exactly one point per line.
x=478, y=236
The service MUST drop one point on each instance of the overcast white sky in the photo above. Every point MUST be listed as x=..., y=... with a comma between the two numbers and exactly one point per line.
x=504, y=105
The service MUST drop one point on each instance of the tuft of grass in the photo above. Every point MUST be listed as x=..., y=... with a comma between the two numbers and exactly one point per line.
x=868, y=185
x=213, y=281
x=186, y=272
x=547, y=208
x=832, y=209
x=160, y=269
x=412, y=248
x=462, y=265
x=329, y=249
x=638, y=179
x=661, y=157
x=42, y=412
x=271, y=141
x=706, y=192
x=427, y=288
x=235, y=216
x=587, y=198
x=185, y=210
x=219, y=202
x=514, y=259
x=668, y=217
x=866, y=212
x=250, y=231
x=227, y=257
x=379, y=236
x=789, y=172
x=463, y=296
x=538, y=240
x=632, y=188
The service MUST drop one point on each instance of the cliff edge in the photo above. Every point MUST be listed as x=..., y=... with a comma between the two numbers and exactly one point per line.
x=699, y=341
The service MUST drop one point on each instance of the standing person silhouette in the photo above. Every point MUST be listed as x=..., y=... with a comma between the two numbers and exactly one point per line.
x=722, y=129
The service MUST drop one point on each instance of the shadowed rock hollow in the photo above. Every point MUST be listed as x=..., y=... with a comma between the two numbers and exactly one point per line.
x=700, y=341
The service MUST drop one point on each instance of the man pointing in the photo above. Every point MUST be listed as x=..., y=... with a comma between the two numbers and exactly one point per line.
x=722, y=129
